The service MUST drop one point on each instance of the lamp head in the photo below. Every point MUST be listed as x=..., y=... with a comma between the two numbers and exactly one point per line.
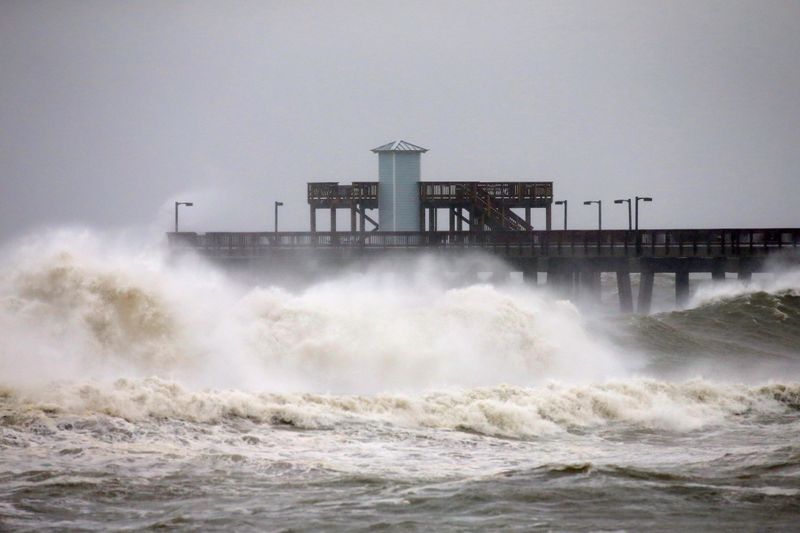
x=278, y=203
x=561, y=202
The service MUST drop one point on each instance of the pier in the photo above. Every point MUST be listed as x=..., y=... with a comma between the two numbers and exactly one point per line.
x=572, y=260
x=492, y=218
x=471, y=205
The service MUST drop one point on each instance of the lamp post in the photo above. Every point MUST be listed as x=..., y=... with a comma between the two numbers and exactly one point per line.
x=564, y=203
x=187, y=204
x=643, y=199
x=599, y=211
x=277, y=205
x=630, y=222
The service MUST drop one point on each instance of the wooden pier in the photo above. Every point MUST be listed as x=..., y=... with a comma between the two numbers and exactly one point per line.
x=572, y=260
x=471, y=205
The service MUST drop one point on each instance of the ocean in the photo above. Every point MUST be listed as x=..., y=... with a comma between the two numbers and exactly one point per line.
x=143, y=392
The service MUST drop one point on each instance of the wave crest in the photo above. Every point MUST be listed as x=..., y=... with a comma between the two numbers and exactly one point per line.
x=506, y=411
x=81, y=314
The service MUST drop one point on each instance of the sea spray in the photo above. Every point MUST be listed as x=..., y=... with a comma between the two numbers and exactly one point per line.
x=73, y=311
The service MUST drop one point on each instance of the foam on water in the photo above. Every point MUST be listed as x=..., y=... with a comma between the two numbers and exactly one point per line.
x=501, y=410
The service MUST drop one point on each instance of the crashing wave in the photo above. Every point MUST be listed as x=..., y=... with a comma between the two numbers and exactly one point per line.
x=68, y=311
x=506, y=411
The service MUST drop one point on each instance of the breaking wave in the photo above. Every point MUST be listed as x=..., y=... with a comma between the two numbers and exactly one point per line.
x=69, y=309
x=750, y=335
x=87, y=330
x=501, y=411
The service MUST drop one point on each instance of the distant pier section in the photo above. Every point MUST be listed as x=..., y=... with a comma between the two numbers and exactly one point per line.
x=398, y=215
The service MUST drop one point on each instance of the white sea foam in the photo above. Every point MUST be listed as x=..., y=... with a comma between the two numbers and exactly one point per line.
x=71, y=309
x=501, y=410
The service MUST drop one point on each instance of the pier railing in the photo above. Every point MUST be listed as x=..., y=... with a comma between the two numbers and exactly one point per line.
x=333, y=191
x=509, y=192
x=606, y=243
x=517, y=193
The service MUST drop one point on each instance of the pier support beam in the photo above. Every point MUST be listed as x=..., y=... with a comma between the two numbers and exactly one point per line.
x=624, y=290
x=718, y=269
x=745, y=270
x=681, y=288
x=590, y=285
x=548, y=214
x=530, y=272
x=555, y=279
x=313, y=212
x=561, y=278
x=333, y=219
x=645, y=292
x=353, y=222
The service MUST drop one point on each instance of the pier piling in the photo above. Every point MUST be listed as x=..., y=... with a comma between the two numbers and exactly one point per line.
x=718, y=269
x=624, y=290
x=681, y=287
x=645, y=292
x=590, y=285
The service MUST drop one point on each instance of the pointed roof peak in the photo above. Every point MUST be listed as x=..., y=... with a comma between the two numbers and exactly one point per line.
x=399, y=146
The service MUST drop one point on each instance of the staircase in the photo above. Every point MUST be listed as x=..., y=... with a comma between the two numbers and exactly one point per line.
x=494, y=215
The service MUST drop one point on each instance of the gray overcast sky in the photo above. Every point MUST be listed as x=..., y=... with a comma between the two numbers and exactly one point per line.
x=109, y=111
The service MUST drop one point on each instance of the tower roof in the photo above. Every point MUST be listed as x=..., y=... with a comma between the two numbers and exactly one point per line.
x=399, y=146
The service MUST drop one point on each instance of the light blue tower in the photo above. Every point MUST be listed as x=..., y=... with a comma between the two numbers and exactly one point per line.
x=398, y=195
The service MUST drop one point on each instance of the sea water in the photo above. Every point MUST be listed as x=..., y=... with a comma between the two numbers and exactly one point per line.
x=143, y=392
